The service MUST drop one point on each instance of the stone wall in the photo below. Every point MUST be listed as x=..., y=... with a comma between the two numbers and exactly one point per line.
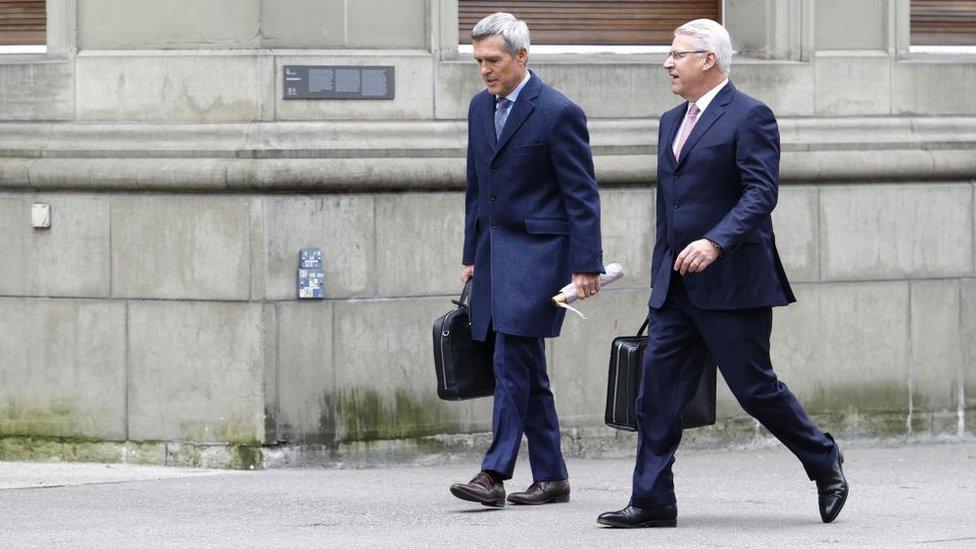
x=157, y=319
x=154, y=317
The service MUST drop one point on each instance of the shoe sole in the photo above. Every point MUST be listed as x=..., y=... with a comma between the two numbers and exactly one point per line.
x=554, y=499
x=663, y=523
x=471, y=497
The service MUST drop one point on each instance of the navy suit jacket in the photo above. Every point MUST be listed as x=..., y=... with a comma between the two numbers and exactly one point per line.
x=532, y=211
x=723, y=188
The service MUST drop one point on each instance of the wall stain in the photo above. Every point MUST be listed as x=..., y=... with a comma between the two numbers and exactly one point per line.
x=365, y=414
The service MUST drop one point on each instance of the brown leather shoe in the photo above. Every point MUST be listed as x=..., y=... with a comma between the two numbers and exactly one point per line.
x=482, y=489
x=546, y=491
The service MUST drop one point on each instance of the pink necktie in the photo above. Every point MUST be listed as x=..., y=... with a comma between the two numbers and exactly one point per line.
x=686, y=130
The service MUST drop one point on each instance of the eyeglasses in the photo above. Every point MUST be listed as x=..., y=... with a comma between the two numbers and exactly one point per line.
x=678, y=55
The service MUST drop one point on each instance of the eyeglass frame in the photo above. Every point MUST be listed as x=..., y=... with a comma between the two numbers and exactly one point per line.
x=679, y=55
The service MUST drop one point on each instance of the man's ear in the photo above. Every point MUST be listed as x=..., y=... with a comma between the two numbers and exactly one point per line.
x=710, y=60
x=522, y=56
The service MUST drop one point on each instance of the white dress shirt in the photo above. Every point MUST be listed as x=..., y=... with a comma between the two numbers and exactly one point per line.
x=702, y=104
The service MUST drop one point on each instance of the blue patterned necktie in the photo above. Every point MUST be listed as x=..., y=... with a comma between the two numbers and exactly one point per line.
x=501, y=114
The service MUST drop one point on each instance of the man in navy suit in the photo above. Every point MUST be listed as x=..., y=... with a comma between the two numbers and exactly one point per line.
x=715, y=277
x=532, y=224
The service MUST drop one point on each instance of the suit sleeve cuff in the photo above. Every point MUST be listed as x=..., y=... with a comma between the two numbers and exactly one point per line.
x=590, y=263
x=724, y=244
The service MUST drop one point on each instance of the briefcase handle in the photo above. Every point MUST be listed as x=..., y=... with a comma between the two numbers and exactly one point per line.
x=643, y=327
x=460, y=302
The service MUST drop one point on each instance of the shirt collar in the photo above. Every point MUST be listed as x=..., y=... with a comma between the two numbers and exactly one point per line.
x=518, y=89
x=704, y=100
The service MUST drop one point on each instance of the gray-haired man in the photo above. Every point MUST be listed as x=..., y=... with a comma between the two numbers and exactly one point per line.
x=716, y=276
x=532, y=223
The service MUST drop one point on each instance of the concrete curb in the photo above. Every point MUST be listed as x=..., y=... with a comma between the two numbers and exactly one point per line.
x=592, y=442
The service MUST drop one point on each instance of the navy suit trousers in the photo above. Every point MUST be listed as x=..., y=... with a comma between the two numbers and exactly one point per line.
x=523, y=403
x=679, y=337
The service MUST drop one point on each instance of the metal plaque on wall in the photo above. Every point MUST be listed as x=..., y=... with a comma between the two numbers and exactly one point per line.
x=337, y=82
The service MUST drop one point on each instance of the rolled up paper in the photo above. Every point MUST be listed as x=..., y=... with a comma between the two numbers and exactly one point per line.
x=568, y=295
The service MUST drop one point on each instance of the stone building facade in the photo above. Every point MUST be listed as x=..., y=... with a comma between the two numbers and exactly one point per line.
x=157, y=319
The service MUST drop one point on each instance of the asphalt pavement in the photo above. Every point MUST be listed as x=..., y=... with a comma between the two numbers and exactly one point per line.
x=921, y=494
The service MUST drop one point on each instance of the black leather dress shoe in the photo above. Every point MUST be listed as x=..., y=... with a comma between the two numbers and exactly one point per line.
x=832, y=490
x=665, y=516
x=483, y=489
x=546, y=491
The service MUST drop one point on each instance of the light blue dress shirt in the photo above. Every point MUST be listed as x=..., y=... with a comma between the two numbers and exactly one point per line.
x=502, y=108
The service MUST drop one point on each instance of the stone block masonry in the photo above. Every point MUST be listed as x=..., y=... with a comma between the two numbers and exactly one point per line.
x=194, y=348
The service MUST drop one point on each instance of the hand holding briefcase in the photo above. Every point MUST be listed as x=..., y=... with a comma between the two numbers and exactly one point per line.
x=626, y=357
x=463, y=366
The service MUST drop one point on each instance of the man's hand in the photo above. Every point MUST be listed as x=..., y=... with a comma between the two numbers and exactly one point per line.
x=587, y=284
x=467, y=273
x=696, y=257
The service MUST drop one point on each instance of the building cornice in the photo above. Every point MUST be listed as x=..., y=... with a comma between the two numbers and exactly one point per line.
x=356, y=156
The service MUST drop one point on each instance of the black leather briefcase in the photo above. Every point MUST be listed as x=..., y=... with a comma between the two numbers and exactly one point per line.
x=626, y=355
x=463, y=366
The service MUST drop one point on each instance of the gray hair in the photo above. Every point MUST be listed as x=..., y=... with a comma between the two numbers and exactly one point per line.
x=709, y=36
x=514, y=31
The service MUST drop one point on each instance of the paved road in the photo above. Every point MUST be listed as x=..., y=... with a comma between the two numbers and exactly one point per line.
x=909, y=495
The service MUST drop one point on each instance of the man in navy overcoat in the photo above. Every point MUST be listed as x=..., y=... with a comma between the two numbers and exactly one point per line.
x=532, y=224
x=716, y=275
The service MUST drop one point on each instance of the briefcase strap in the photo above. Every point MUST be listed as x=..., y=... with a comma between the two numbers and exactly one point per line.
x=643, y=327
x=460, y=302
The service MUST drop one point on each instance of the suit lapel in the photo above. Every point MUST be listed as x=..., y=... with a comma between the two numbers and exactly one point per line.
x=488, y=112
x=672, y=133
x=714, y=111
x=521, y=110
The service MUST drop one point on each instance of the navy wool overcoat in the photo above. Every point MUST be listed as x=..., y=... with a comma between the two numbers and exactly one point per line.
x=532, y=211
